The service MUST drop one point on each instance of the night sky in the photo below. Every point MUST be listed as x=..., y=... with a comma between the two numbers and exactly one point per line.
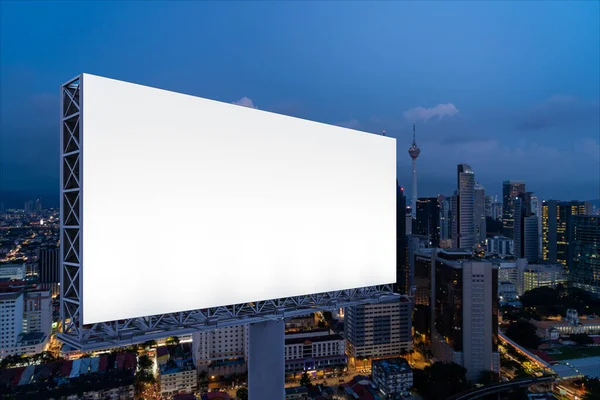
x=511, y=88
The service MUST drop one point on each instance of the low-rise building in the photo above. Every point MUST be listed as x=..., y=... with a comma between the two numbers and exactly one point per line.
x=539, y=275
x=570, y=325
x=318, y=350
x=500, y=246
x=393, y=376
x=178, y=374
x=13, y=270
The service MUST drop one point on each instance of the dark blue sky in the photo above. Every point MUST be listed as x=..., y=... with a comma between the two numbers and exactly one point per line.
x=511, y=88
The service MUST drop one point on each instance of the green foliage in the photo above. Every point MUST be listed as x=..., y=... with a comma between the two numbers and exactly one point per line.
x=524, y=333
x=305, y=379
x=488, y=377
x=172, y=341
x=441, y=380
x=592, y=389
x=149, y=344
x=581, y=339
x=241, y=394
x=145, y=363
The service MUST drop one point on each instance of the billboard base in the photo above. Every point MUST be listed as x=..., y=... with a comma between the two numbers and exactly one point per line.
x=266, y=360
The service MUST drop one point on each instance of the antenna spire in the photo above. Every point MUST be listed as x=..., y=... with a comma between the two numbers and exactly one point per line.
x=414, y=135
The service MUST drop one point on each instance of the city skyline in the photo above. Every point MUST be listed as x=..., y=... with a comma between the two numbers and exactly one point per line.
x=512, y=108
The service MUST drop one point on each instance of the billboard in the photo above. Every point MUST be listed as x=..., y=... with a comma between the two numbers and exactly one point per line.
x=191, y=203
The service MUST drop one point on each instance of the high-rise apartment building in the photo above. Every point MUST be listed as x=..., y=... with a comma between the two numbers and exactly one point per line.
x=378, y=330
x=26, y=321
x=428, y=219
x=479, y=211
x=510, y=190
x=464, y=228
x=465, y=314
x=584, y=266
x=556, y=216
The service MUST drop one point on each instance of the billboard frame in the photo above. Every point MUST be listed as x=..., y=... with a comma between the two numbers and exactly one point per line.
x=140, y=329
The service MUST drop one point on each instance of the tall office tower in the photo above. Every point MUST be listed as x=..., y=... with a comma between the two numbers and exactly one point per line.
x=28, y=207
x=536, y=209
x=454, y=215
x=525, y=229
x=584, y=270
x=223, y=351
x=479, y=214
x=445, y=215
x=378, y=330
x=510, y=190
x=465, y=314
x=489, y=200
x=497, y=211
x=466, y=207
x=38, y=205
x=428, y=219
x=409, y=220
x=414, y=152
x=402, y=270
x=49, y=268
x=556, y=217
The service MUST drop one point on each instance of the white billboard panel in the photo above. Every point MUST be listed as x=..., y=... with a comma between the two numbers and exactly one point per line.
x=190, y=203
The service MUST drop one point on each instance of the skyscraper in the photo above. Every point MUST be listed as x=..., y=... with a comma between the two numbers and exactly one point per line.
x=465, y=223
x=428, y=219
x=49, y=268
x=556, y=216
x=402, y=270
x=414, y=152
x=489, y=200
x=510, y=190
x=525, y=229
x=584, y=265
x=479, y=212
x=445, y=215
x=465, y=313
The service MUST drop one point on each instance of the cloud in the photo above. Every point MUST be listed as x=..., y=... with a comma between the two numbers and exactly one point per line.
x=588, y=147
x=557, y=111
x=421, y=113
x=352, y=124
x=245, y=102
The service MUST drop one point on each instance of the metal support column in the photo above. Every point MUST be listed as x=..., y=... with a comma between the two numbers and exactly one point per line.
x=266, y=364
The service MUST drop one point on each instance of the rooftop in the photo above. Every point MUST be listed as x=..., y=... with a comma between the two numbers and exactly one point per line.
x=392, y=365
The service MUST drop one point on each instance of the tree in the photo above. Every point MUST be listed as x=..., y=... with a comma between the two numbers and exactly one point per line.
x=145, y=363
x=305, y=379
x=524, y=333
x=581, y=339
x=241, y=394
x=441, y=380
x=172, y=341
x=488, y=377
x=592, y=389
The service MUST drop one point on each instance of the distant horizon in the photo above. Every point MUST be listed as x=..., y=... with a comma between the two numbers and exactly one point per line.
x=16, y=199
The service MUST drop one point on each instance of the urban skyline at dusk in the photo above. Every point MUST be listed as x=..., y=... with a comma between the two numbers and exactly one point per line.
x=506, y=101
